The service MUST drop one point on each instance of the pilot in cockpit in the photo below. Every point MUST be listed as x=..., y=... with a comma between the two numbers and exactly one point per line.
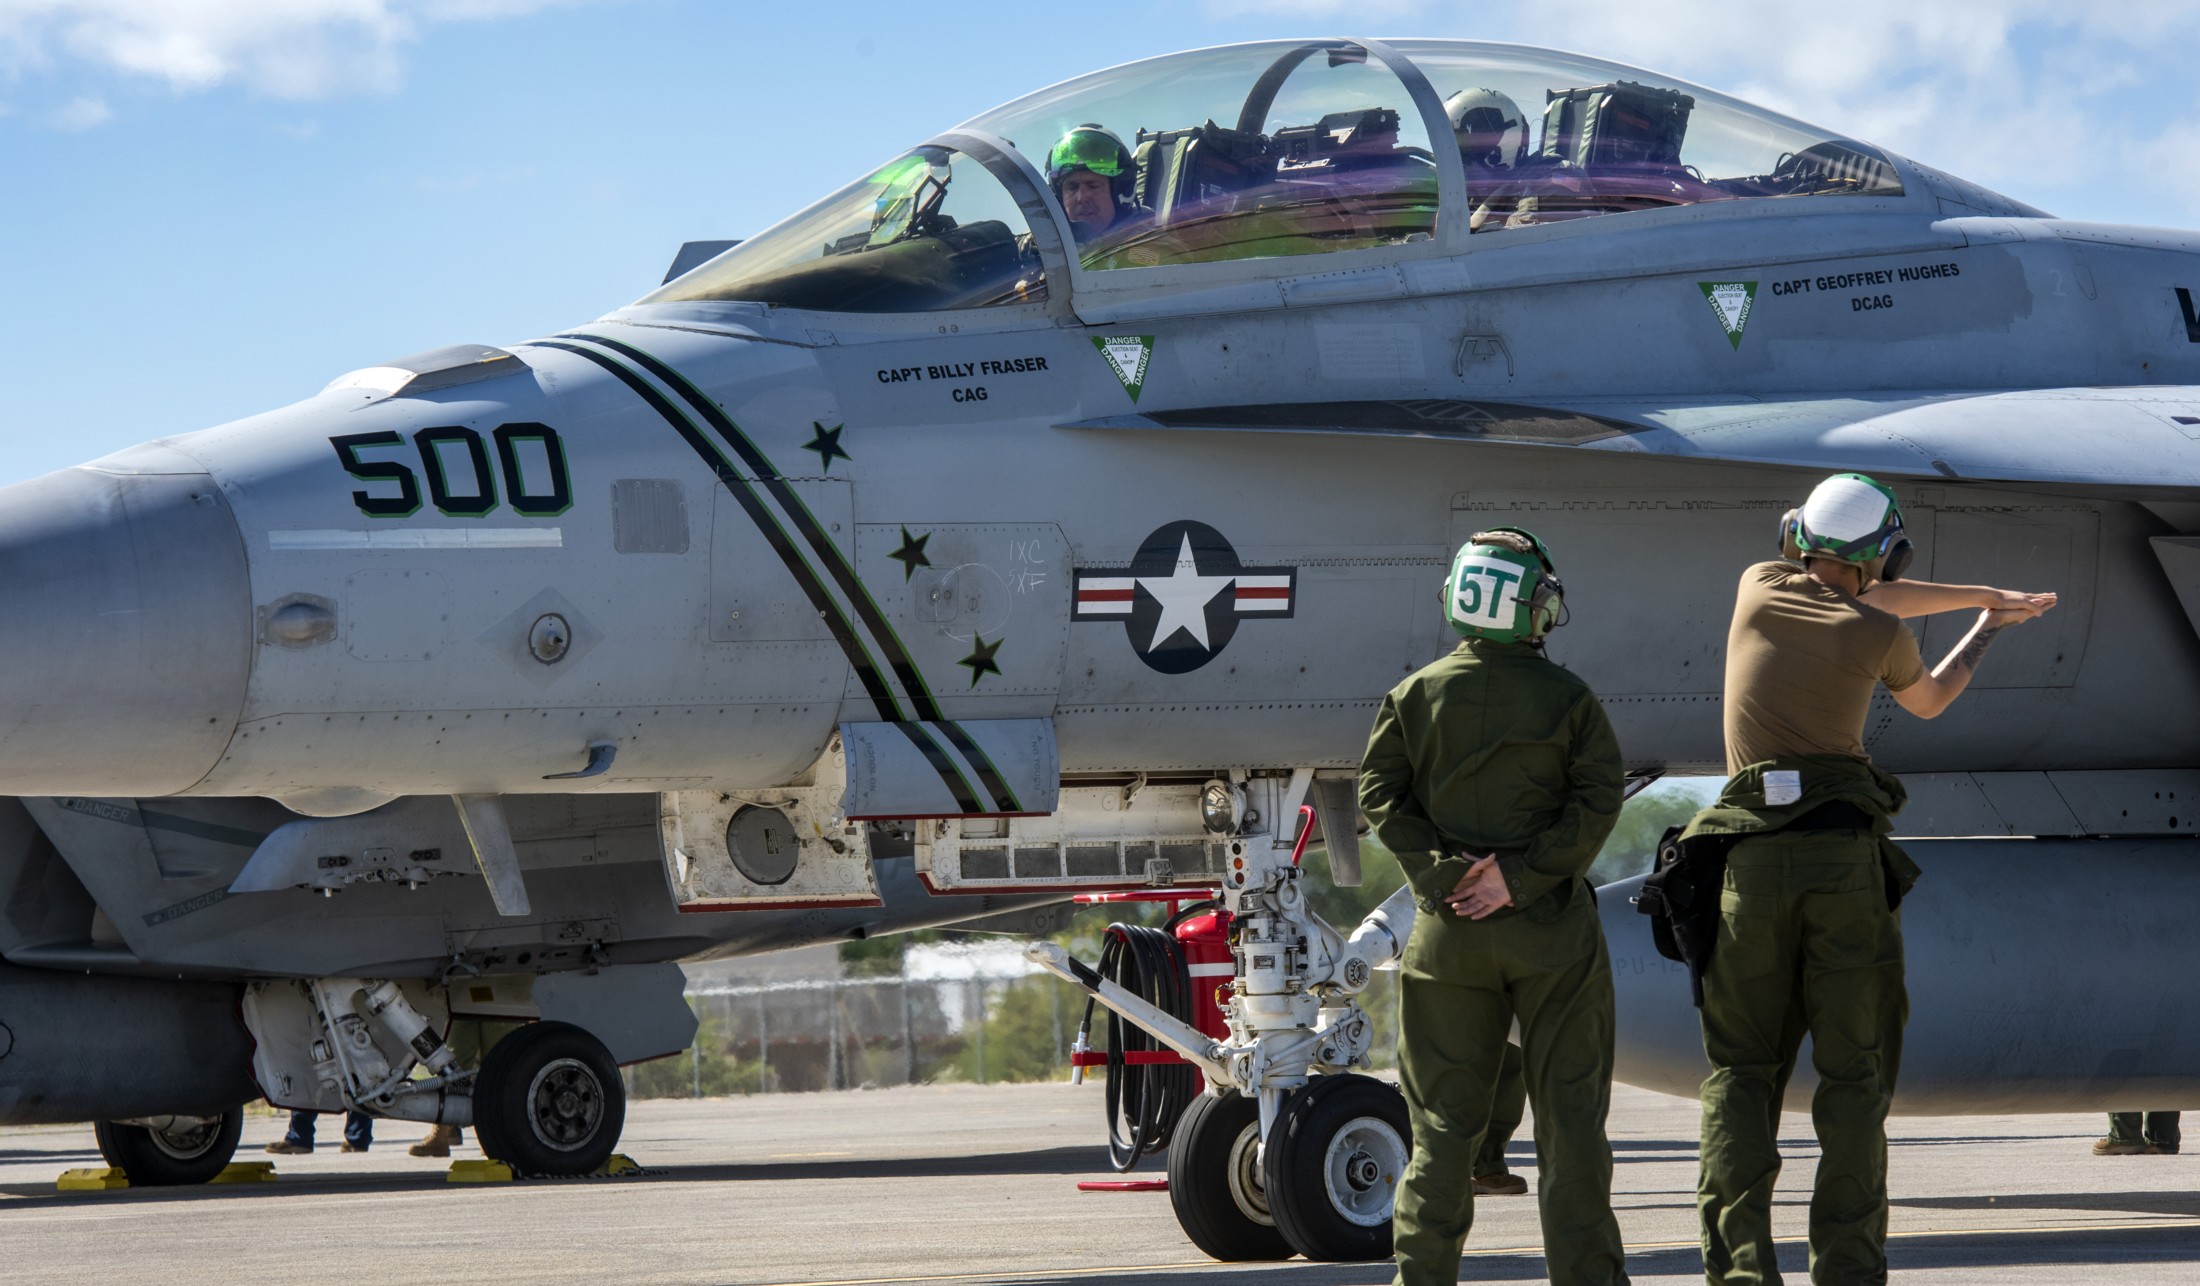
x=1092, y=175
x=1493, y=142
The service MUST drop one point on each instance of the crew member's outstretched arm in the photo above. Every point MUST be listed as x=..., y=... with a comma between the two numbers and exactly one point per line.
x=1936, y=691
x=1910, y=598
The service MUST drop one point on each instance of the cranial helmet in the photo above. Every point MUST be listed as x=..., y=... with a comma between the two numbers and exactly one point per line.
x=1095, y=148
x=1503, y=587
x=1491, y=130
x=1851, y=518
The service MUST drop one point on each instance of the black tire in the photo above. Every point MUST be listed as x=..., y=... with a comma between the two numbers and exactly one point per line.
x=549, y=1101
x=165, y=1158
x=1215, y=1181
x=1335, y=1156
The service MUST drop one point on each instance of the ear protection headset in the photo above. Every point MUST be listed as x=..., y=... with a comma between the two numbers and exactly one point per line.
x=1547, y=601
x=1881, y=554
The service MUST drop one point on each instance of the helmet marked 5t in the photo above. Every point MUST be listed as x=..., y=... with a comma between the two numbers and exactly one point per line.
x=1502, y=588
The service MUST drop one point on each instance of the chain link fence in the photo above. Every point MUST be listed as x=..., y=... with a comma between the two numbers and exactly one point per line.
x=868, y=1032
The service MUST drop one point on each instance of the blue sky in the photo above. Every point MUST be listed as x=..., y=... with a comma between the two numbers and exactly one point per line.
x=215, y=206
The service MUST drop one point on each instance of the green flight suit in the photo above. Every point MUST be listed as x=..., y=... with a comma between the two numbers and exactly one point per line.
x=1495, y=748
x=1506, y=1110
x=1808, y=941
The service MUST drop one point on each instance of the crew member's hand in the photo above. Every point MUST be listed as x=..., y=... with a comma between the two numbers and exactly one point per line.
x=2012, y=600
x=1481, y=890
x=2000, y=617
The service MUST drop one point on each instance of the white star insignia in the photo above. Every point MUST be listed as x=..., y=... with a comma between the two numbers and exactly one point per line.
x=1184, y=595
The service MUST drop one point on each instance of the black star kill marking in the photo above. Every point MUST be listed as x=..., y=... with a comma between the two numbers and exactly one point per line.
x=981, y=660
x=827, y=445
x=911, y=554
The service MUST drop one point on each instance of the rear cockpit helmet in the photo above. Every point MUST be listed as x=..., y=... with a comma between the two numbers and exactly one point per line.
x=1095, y=148
x=1492, y=131
x=1854, y=519
x=1503, y=587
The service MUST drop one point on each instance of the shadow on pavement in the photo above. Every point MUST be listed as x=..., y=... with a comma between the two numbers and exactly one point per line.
x=2170, y=1244
x=2080, y=1252
x=2158, y=1202
x=1081, y=1162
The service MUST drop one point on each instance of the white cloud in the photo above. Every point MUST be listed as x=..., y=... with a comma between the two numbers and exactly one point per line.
x=292, y=49
x=80, y=114
x=1352, y=9
x=2038, y=98
x=2030, y=96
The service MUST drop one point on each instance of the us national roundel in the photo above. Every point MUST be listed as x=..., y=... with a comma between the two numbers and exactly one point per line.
x=1181, y=598
x=1485, y=593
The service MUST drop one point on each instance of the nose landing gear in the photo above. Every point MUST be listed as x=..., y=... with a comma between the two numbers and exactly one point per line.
x=1334, y=1159
x=1216, y=1184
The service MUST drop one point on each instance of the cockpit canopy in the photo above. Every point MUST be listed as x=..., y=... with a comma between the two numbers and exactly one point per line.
x=1276, y=150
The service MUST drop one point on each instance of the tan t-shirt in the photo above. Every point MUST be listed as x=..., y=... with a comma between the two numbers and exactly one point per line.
x=1802, y=659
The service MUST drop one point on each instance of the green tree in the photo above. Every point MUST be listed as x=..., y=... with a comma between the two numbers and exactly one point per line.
x=1633, y=846
x=721, y=1071
x=1020, y=1026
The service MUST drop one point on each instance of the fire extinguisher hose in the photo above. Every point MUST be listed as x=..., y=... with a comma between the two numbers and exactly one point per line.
x=1143, y=1101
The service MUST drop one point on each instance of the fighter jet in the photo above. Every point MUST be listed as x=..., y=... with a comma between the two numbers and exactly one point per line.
x=1047, y=510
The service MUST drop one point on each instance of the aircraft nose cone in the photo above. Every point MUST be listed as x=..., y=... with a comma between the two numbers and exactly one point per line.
x=125, y=632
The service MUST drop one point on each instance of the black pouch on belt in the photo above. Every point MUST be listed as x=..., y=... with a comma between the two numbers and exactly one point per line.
x=1681, y=897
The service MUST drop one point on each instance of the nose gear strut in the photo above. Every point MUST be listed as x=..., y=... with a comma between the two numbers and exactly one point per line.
x=1292, y=1035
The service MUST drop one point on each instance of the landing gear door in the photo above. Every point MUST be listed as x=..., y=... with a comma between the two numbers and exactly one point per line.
x=763, y=850
x=1098, y=838
x=951, y=768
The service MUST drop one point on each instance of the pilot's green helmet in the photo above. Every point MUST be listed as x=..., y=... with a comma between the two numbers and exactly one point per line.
x=1852, y=518
x=1096, y=148
x=1503, y=587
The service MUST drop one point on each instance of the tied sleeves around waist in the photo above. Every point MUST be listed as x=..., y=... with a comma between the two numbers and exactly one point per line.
x=1818, y=793
x=1831, y=793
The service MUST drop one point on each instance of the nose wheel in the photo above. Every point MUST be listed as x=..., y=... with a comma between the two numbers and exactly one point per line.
x=1215, y=1180
x=549, y=1101
x=1335, y=1156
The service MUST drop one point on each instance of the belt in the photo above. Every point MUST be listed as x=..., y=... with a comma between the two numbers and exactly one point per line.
x=1835, y=815
x=1468, y=854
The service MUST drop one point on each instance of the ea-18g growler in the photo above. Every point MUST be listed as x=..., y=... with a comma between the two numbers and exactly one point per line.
x=1047, y=511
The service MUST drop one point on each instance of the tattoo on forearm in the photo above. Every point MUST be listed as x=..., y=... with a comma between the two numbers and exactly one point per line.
x=1968, y=658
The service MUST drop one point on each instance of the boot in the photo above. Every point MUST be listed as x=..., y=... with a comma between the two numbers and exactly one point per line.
x=438, y=1143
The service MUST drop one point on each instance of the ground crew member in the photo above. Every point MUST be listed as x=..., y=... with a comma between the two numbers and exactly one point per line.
x=1808, y=940
x=1494, y=776
x=2139, y=1134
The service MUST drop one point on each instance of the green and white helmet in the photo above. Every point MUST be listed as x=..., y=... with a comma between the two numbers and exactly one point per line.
x=1502, y=587
x=1852, y=518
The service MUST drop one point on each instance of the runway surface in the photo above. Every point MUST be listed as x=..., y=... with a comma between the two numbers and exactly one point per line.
x=970, y=1184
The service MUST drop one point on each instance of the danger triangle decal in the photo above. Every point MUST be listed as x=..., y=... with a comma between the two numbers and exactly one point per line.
x=1128, y=356
x=1732, y=302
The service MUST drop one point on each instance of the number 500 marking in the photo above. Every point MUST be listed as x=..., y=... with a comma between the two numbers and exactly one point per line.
x=450, y=448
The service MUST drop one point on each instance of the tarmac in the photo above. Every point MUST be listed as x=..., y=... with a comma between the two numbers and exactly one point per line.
x=977, y=1184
